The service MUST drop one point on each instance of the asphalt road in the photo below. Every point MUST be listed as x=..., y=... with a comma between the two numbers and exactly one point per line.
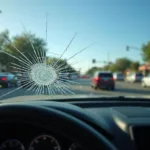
x=82, y=86
x=122, y=89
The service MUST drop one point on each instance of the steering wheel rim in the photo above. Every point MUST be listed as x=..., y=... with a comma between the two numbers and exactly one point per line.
x=52, y=119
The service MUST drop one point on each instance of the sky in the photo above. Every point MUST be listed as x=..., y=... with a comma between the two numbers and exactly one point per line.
x=110, y=24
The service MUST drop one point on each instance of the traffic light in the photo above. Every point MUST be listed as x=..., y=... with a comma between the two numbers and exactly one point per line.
x=93, y=61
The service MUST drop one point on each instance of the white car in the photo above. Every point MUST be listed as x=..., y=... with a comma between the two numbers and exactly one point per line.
x=134, y=77
x=146, y=81
x=118, y=76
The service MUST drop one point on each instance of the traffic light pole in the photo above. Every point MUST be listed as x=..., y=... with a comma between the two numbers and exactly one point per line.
x=95, y=61
x=132, y=47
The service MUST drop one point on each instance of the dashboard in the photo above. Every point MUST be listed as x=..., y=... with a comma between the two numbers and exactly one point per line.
x=125, y=124
x=21, y=136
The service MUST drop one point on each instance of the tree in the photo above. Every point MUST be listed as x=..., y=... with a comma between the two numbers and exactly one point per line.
x=113, y=68
x=25, y=43
x=92, y=70
x=106, y=67
x=4, y=38
x=146, y=52
x=135, y=66
x=122, y=64
x=61, y=65
x=28, y=44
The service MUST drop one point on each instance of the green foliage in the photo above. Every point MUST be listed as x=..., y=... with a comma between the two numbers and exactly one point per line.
x=134, y=66
x=62, y=64
x=92, y=70
x=146, y=52
x=28, y=44
x=4, y=38
x=21, y=42
x=113, y=68
x=120, y=65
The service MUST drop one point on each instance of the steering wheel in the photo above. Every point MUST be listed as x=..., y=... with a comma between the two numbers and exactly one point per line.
x=52, y=119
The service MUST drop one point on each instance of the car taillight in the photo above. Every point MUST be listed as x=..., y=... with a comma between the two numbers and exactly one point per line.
x=3, y=79
x=112, y=78
x=97, y=78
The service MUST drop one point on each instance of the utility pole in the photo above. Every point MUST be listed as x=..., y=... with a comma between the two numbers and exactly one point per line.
x=107, y=57
x=46, y=33
x=46, y=25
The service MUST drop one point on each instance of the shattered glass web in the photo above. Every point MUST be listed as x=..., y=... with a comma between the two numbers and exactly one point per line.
x=40, y=77
x=45, y=77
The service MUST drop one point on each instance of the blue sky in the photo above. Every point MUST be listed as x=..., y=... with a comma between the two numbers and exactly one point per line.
x=111, y=24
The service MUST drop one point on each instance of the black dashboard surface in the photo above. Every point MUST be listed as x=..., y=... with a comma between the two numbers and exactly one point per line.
x=122, y=123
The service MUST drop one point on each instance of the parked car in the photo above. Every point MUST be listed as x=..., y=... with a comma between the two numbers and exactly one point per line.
x=146, y=81
x=23, y=80
x=134, y=77
x=8, y=79
x=72, y=76
x=103, y=80
x=83, y=76
x=118, y=76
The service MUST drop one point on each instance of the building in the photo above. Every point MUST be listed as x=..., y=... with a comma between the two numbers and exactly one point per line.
x=145, y=69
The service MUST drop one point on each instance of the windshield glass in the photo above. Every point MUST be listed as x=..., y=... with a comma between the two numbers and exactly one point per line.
x=74, y=48
x=139, y=74
x=105, y=75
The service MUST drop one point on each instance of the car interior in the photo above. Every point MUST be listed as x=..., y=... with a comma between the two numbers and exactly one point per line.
x=73, y=75
x=116, y=123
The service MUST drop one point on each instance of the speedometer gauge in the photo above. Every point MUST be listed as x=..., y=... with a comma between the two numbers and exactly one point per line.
x=12, y=144
x=75, y=146
x=44, y=142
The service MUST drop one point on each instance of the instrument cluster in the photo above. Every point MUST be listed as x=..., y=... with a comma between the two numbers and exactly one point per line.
x=20, y=137
x=45, y=142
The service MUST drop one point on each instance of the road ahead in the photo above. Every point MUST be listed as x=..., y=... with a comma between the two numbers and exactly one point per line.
x=83, y=87
x=122, y=88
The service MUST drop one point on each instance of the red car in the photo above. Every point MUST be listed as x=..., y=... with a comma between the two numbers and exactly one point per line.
x=103, y=80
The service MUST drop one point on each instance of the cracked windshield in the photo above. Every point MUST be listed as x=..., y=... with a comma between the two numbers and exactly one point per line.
x=55, y=48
